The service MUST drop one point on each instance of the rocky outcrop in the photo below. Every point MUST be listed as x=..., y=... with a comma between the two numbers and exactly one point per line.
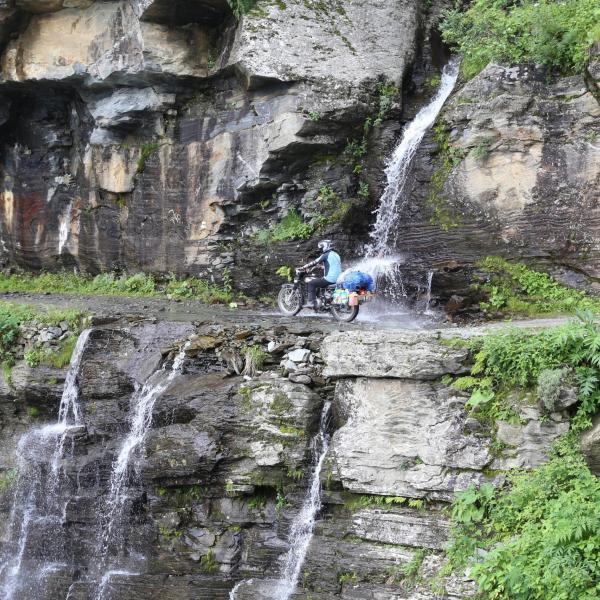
x=164, y=136
x=511, y=169
x=227, y=460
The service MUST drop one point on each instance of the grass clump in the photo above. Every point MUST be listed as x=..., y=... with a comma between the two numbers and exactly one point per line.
x=146, y=151
x=516, y=289
x=254, y=360
x=291, y=227
x=547, y=32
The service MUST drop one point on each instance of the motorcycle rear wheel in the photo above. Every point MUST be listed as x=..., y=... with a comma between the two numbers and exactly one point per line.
x=289, y=300
x=344, y=312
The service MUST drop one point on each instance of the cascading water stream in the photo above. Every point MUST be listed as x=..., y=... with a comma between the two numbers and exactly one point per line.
x=393, y=198
x=302, y=526
x=36, y=499
x=112, y=537
x=381, y=259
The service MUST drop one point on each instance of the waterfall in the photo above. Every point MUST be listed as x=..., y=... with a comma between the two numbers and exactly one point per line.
x=427, y=310
x=392, y=200
x=36, y=498
x=302, y=526
x=141, y=420
x=64, y=227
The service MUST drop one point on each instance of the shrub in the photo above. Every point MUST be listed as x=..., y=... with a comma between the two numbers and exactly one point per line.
x=547, y=32
x=551, y=384
x=536, y=539
x=291, y=227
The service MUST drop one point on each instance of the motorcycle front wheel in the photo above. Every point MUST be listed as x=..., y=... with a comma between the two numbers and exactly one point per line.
x=344, y=312
x=289, y=300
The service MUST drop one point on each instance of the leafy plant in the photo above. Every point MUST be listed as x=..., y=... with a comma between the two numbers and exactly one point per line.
x=286, y=272
x=538, y=538
x=363, y=190
x=547, y=32
x=241, y=7
x=291, y=227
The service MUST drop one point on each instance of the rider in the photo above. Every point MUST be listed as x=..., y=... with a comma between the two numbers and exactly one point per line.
x=332, y=264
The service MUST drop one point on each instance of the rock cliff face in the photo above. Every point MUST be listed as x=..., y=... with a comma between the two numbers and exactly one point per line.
x=142, y=134
x=145, y=134
x=512, y=169
x=224, y=467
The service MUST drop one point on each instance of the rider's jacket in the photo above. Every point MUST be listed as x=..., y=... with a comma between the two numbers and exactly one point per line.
x=333, y=265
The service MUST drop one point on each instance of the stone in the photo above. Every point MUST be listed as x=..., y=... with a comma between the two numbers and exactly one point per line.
x=300, y=378
x=404, y=438
x=299, y=355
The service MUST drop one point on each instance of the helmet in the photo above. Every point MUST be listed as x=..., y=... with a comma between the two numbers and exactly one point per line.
x=325, y=245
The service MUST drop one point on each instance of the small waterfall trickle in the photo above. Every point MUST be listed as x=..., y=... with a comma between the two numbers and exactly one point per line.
x=427, y=309
x=302, y=527
x=112, y=538
x=64, y=227
x=36, y=498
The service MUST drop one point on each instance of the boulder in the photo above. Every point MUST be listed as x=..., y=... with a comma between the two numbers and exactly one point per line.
x=404, y=438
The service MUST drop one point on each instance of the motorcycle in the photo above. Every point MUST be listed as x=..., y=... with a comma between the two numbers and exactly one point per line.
x=292, y=299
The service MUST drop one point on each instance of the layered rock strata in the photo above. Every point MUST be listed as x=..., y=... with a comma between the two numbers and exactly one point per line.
x=227, y=461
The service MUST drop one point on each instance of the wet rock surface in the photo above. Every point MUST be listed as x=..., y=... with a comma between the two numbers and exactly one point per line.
x=227, y=460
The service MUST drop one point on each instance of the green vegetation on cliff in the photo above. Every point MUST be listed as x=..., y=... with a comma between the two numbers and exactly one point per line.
x=514, y=358
x=538, y=536
x=13, y=315
x=547, y=32
x=110, y=284
x=515, y=289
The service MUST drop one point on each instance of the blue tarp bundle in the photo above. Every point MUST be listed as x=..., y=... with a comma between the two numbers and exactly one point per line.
x=355, y=280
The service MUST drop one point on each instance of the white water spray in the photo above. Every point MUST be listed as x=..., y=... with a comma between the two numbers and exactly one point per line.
x=385, y=228
x=302, y=526
x=141, y=420
x=36, y=492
